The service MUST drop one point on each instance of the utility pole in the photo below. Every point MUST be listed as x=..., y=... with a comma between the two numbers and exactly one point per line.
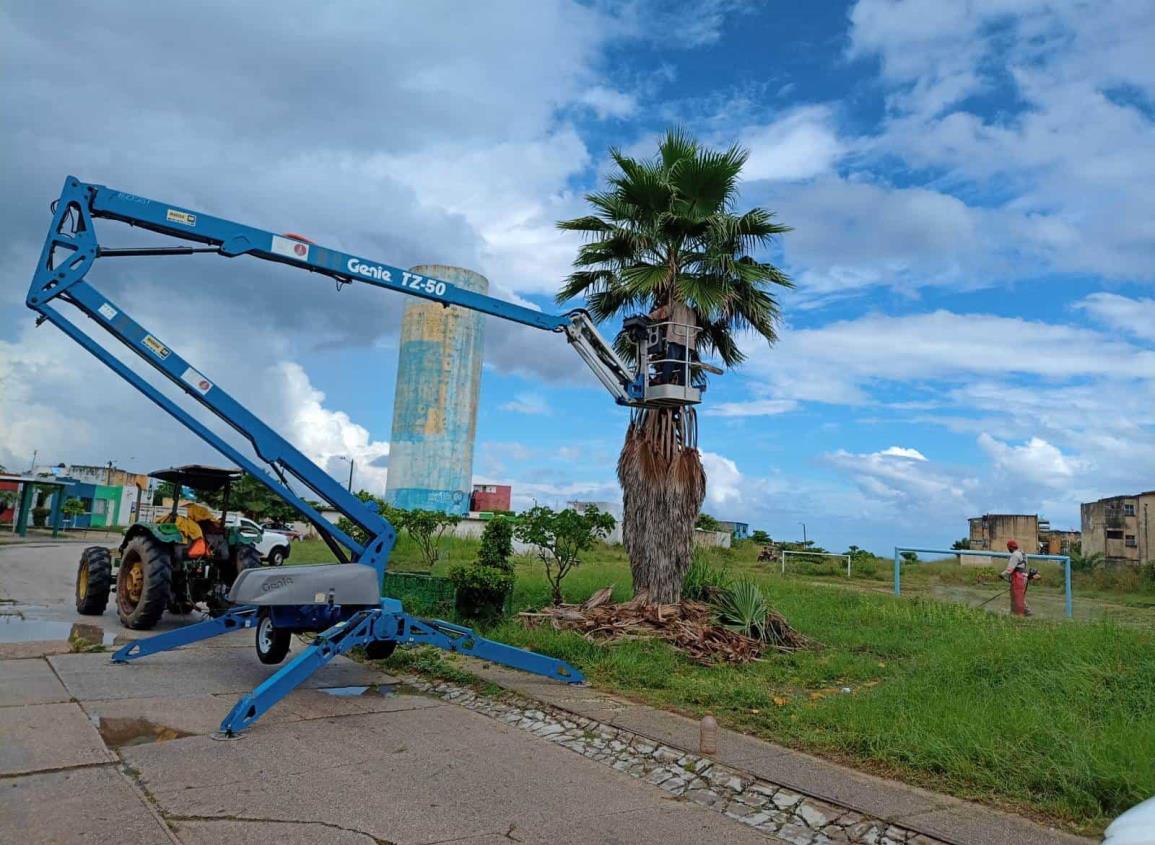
x=35, y=453
x=108, y=474
x=349, y=486
x=803, y=524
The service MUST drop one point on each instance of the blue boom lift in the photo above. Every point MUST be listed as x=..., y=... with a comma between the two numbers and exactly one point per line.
x=342, y=603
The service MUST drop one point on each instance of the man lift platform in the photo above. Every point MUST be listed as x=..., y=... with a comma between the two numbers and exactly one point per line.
x=343, y=604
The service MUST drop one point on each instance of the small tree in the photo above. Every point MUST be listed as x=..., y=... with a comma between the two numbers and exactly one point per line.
x=760, y=537
x=357, y=532
x=496, y=544
x=426, y=528
x=961, y=545
x=561, y=537
x=707, y=523
x=72, y=507
x=1084, y=562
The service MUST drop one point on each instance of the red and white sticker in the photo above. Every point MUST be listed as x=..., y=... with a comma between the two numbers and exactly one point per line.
x=290, y=248
x=199, y=382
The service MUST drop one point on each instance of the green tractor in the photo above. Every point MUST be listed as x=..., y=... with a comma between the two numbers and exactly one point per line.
x=174, y=563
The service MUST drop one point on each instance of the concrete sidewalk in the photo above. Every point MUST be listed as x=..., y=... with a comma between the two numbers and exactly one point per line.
x=919, y=811
x=96, y=753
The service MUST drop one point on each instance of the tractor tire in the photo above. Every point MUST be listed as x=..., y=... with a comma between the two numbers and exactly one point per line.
x=272, y=643
x=380, y=649
x=245, y=557
x=93, y=581
x=144, y=582
x=277, y=556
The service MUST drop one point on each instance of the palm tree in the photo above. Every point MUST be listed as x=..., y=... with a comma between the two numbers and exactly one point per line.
x=666, y=231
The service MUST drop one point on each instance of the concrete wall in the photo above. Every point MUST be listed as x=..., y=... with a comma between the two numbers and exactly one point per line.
x=435, y=406
x=491, y=497
x=1119, y=528
x=991, y=532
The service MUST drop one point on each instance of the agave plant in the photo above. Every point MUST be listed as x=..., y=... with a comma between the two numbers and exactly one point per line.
x=742, y=607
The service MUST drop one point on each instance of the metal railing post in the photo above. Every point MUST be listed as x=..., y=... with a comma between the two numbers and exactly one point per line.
x=1067, y=586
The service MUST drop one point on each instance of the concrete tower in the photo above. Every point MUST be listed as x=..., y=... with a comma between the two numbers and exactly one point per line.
x=435, y=409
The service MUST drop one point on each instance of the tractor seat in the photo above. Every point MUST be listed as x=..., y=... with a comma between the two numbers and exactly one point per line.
x=340, y=583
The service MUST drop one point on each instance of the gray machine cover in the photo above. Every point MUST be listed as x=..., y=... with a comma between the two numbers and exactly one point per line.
x=342, y=583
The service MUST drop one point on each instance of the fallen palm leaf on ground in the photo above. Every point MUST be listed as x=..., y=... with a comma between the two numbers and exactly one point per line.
x=690, y=626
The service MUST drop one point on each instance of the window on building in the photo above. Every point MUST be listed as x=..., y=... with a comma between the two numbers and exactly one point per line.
x=100, y=506
x=1128, y=510
x=1130, y=542
x=1114, y=534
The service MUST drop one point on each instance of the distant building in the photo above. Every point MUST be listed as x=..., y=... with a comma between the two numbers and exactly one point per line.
x=738, y=530
x=1056, y=541
x=612, y=508
x=491, y=497
x=991, y=531
x=1119, y=528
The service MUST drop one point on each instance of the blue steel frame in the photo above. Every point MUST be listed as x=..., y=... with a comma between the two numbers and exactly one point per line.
x=1066, y=561
x=70, y=251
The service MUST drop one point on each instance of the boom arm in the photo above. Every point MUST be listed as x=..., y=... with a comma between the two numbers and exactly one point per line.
x=72, y=248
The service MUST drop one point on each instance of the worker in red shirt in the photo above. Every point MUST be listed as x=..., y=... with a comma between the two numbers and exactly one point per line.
x=1016, y=573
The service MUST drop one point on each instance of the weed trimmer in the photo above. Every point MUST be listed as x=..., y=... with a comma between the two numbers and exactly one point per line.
x=1002, y=592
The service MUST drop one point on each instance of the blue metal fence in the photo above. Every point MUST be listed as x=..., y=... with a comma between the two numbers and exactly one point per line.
x=1066, y=561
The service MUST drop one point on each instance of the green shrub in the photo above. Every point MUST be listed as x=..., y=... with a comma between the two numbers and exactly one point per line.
x=481, y=590
x=40, y=517
x=702, y=580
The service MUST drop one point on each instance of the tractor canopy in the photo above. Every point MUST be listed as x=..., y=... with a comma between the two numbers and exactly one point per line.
x=198, y=477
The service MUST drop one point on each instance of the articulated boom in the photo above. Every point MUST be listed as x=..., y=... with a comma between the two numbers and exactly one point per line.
x=362, y=617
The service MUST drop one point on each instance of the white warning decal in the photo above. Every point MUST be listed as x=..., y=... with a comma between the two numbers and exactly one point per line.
x=199, y=382
x=107, y=311
x=290, y=248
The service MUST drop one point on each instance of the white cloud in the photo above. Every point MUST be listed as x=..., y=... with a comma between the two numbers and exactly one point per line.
x=723, y=480
x=800, y=145
x=901, y=487
x=606, y=102
x=327, y=436
x=902, y=452
x=527, y=403
x=1135, y=317
x=1066, y=157
x=846, y=357
x=753, y=408
x=1034, y=462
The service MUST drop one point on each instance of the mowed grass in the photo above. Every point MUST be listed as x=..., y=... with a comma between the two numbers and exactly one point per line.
x=1052, y=718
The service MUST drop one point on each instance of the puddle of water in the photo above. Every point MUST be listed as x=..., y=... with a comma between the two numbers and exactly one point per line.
x=16, y=628
x=384, y=690
x=122, y=732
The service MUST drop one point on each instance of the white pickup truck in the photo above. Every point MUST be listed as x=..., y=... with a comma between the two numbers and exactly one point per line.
x=273, y=545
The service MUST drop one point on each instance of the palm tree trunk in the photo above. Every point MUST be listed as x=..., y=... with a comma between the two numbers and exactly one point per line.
x=663, y=485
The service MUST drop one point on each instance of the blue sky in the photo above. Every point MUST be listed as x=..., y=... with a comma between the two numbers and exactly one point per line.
x=971, y=188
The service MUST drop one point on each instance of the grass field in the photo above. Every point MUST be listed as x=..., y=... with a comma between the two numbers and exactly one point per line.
x=1053, y=718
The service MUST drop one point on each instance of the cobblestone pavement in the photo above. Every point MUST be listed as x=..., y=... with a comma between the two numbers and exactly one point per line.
x=755, y=802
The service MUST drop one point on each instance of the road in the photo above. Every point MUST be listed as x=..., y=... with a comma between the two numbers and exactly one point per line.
x=96, y=753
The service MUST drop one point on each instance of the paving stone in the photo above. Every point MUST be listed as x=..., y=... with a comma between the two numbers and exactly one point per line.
x=76, y=807
x=48, y=736
x=29, y=682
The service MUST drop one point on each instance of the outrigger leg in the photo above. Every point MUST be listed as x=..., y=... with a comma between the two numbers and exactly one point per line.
x=243, y=616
